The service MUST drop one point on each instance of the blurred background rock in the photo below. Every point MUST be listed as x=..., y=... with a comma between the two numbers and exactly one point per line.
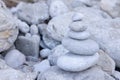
x=11, y=3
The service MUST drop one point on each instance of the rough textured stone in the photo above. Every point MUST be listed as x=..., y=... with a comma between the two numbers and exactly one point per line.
x=33, y=29
x=106, y=63
x=23, y=27
x=28, y=45
x=76, y=63
x=44, y=53
x=42, y=66
x=8, y=29
x=116, y=75
x=49, y=41
x=42, y=29
x=7, y=73
x=58, y=28
x=79, y=3
x=57, y=8
x=15, y=58
x=54, y=73
x=56, y=53
x=32, y=13
x=112, y=8
x=106, y=33
x=103, y=30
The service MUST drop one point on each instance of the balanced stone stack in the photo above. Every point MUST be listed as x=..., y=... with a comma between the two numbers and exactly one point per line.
x=82, y=50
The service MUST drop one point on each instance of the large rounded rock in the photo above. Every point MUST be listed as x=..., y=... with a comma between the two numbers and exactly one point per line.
x=111, y=7
x=71, y=62
x=15, y=58
x=54, y=73
x=57, y=52
x=33, y=13
x=58, y=28
x=28, y=45
x=8, y=29
x=85, y=47
x=106, y=63
x=57, y=8
x=8, y=73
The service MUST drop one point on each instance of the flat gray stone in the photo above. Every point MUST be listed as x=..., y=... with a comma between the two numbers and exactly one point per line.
x=79, y=35
x=85, y=47
x=28, y=45
x=76, y=63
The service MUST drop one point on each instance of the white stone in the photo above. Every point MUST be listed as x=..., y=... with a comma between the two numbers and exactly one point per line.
x=49, y=41
x=56, y=53
x=77, y=17
x=54, y=73
x=57, y=8
x=8, y=28
x=15, y=58
x=85, y=47
x=28, y=35
x=2, y=4
x=23, y=27
x=75, y=63
x=8, y=73
x=111, y=7
x=33, y=13
x=44, y=53
x=33, y=29
x=116, y=75
x=106, y=63
x=42, y=66
x=74, y=26
x=58, y=28
x=42, y=28
x=79, y=35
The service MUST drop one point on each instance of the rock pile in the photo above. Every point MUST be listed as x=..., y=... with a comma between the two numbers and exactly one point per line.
x=82, y=50
x=59, y=40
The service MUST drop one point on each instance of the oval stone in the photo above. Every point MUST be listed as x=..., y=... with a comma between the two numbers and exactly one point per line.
x=79, y=35
x=74, y=63
x=85, y=47
x=77, y=27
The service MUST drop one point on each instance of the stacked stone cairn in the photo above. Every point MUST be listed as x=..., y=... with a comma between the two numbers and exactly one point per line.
x=82, y=50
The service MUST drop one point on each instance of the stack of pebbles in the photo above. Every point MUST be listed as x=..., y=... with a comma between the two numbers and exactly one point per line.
x=82, y=50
